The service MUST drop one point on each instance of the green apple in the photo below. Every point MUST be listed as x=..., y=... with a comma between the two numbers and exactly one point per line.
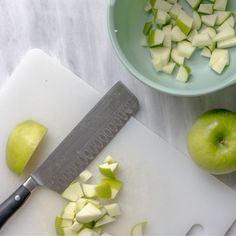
x=22, y=143
x=212, y=141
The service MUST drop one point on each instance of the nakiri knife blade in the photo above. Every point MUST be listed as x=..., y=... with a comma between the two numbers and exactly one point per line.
x=78, y=149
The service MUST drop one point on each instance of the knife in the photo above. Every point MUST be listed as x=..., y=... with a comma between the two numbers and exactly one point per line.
x=78, y=149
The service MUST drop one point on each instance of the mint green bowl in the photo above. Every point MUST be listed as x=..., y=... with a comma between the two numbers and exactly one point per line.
x=126, y=19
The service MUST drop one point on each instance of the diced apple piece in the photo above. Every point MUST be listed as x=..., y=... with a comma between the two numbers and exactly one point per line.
x=209, y=20
x=162, y=5
x=114, y=184
x=87, y=232
x=201, y=40
x=176, y=57
x=219, y=60
x=88, y=213
x=137, y=230
x=177, y=35
x=184, y=22
x=104, y=220
x=112, y=209
x=225, y=34
x=76, y=226
x=183, y=74
x=210, y=31
x=73, y=192
x=229, y=22
x=94, y=202
x=175, y=11
x=185, y=49
x=80, y=204
x=206, y=52
x=89, y=190
x=228, y=43
x=192, y=34
x=222, y=16
x=147, y=28
x=160, y=55
x=109, y=160
x=161, y=17
x=156, y=37
x=69, y=211
x=212, y=47
x=194, y=3
x=103, y=191
x=68, y=231
x=169, y=68
x=167, y=39
x=62, y=223
x=206, y=8
x=108, y=170
x=197, y=22
x=220, y=5
x=85, y=176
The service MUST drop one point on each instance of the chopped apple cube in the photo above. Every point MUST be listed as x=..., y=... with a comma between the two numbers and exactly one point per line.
x=222, y=16
x=206, y=8
x=89, y=190
x=112, y=209
x=156, y=37
x=88, y=213
x=228, y=43
x=104, y=220
x=202, y=40
x=220, y=5
x=197, y=22
x=209, y=20
x=73, y=192
x=137, y=230
x=184, y=22
x=177, y=35
x=183, y=74
x=176, y=57
x=225, y=34
x=185, y=49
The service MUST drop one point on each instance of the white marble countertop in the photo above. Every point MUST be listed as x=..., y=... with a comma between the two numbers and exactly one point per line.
x=75, y=32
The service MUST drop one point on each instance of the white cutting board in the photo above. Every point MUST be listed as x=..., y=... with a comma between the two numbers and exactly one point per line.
x=161, y=185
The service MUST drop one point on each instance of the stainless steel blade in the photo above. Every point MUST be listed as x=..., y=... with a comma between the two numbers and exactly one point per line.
x=87, y=139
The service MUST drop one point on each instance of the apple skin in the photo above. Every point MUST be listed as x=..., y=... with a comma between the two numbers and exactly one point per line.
x=212, y=141
x=22, y=143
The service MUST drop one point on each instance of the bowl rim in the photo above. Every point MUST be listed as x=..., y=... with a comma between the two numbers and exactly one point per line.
x=198, y=92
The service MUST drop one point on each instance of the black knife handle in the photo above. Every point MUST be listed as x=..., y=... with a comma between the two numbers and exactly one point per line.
x=13, y=203
x=16, y=200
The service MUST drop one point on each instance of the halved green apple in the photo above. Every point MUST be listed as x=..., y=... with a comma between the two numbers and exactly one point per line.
x=22, y=143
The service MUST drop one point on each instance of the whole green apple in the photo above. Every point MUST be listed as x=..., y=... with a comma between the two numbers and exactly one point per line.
x=212, y=141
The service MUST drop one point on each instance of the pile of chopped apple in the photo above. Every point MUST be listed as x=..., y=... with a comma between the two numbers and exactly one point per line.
x=86, y=214
x=173, y=35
